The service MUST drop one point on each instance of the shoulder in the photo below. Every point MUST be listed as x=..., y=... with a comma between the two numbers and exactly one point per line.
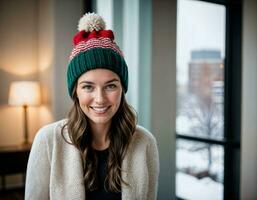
x=143, y=150
x=50, y=132
x=142, y=139
x=143, y=134
x=48, y=137
x=53, y=126
x=49, y=129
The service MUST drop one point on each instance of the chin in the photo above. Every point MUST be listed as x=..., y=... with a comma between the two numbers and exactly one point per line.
x=100, y=121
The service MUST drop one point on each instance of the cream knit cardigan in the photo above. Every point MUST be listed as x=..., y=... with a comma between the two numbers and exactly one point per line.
x=55, y=167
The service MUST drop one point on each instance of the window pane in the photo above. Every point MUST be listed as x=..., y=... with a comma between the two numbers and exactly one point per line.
x=200, y=170
x=200, y=69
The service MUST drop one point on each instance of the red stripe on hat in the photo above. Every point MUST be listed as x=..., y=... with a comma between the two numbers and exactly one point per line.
x=95, y=43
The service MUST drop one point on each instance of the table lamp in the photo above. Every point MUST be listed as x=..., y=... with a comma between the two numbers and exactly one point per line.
x=24, y=93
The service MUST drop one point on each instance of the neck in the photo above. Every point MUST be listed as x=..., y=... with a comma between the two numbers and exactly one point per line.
x=100, y=136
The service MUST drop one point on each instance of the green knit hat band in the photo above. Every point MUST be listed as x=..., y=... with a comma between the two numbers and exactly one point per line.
x=95, y=58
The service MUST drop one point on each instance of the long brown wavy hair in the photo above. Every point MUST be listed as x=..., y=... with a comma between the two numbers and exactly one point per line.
x=120, y=134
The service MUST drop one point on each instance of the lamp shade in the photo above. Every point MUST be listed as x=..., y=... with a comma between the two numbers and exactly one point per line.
x=24, y=93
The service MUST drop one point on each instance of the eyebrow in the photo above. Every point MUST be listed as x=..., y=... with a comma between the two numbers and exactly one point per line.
x=90, y=82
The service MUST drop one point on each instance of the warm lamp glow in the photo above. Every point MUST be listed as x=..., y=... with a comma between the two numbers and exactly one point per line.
x=24, y=93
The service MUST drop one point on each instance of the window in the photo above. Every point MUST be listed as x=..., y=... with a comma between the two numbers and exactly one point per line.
x=207, y=140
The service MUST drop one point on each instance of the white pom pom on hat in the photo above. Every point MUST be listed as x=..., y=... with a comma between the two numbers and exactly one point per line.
x=90, y=22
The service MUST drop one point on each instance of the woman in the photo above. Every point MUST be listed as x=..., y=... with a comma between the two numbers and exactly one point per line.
x=98, y=152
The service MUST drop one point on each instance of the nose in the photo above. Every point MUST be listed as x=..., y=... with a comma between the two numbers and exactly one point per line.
x=99, y=96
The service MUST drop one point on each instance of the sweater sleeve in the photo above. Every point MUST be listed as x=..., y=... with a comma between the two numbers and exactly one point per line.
x=38, y=169
x=153, y=169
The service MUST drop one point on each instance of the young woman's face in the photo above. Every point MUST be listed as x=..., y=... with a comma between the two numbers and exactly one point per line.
x=99, y=93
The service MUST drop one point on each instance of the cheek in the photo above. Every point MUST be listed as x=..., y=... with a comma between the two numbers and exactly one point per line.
x=84, y=99
x=116, y=98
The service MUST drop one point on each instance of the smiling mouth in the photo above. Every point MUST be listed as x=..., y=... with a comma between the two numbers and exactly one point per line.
x=100, y=110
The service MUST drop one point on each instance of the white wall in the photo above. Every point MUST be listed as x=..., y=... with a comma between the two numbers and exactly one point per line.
x=249, y=103
x=131, y=47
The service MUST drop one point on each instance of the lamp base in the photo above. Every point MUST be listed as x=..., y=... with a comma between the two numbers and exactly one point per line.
x=26, y=134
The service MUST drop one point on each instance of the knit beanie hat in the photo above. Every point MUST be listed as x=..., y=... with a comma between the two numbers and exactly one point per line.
x=94, y=48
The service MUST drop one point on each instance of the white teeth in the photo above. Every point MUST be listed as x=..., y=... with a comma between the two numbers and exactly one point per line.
x=100, y=110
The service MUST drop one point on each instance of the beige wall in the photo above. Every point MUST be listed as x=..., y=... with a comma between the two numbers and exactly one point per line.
x=18, y=61
x=36, y=39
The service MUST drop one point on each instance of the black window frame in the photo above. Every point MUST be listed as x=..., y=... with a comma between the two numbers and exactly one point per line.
x=232, y=99
x=88, y=6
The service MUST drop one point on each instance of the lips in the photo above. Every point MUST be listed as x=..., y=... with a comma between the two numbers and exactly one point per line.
x=100, y=110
